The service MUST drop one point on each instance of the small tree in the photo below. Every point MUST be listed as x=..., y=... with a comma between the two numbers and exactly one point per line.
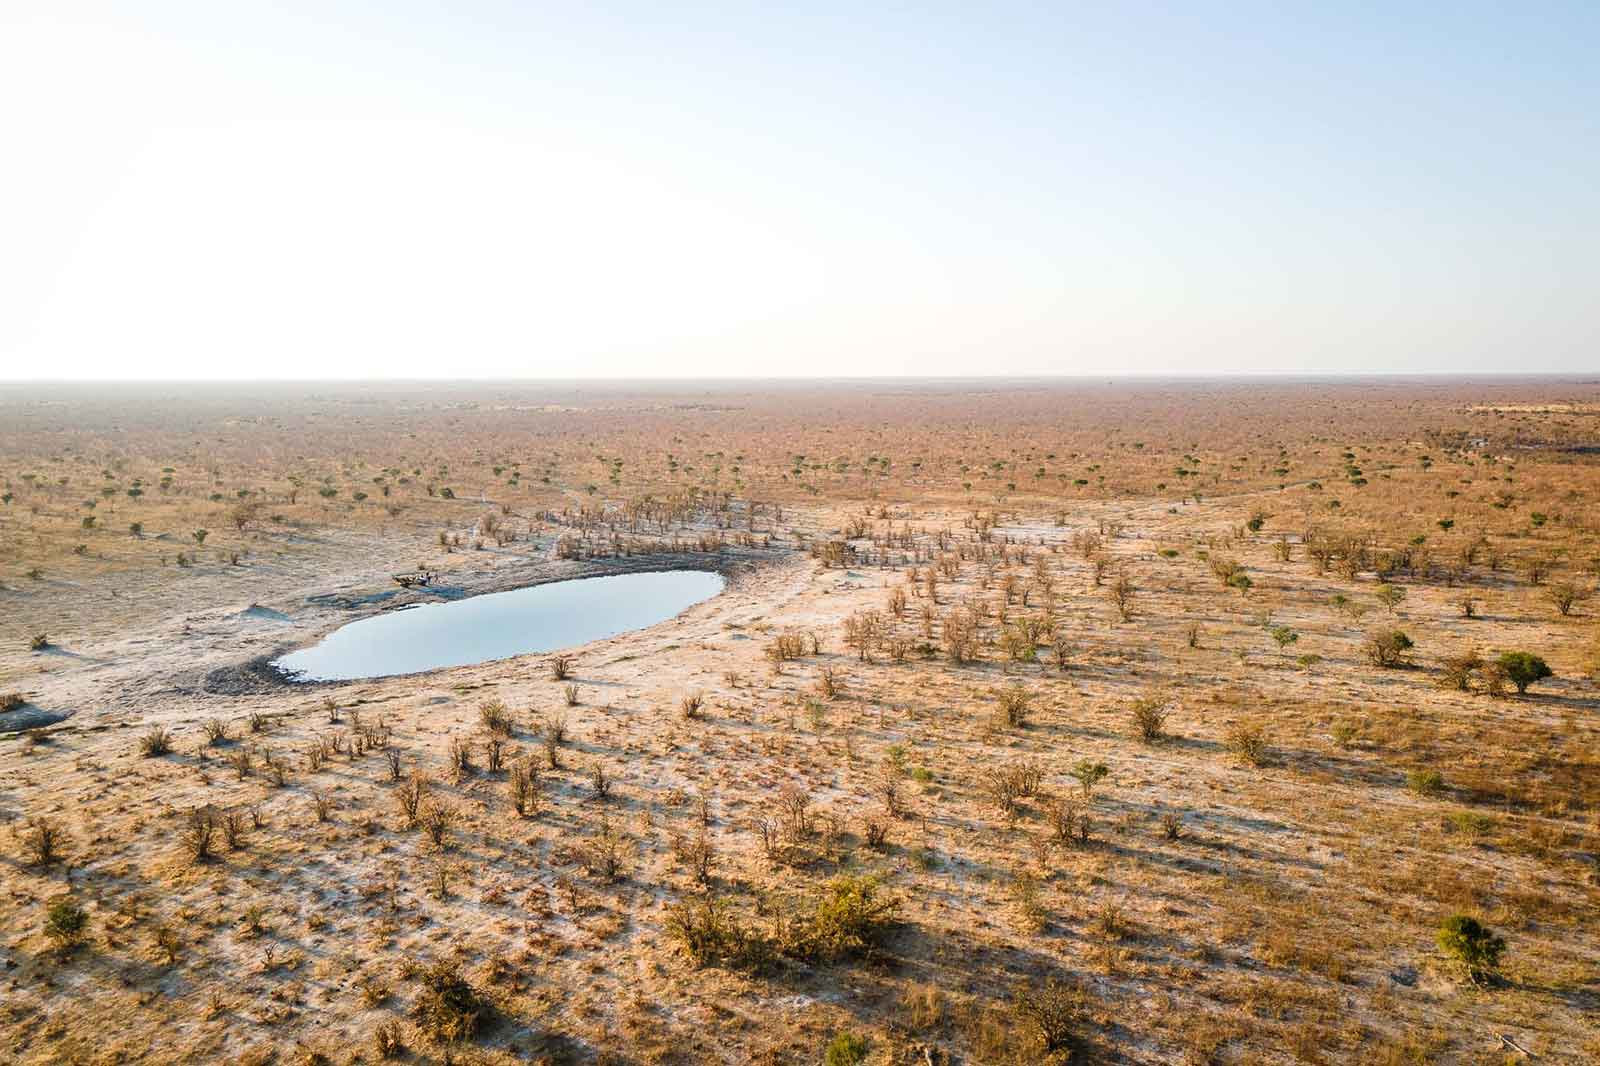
x=1283, y=635
x=1460, y=669
x=1089, y=774
x=1564, y=596
x=1523, y=669
x=1054, y=1010
x=1121, y=596
x=1390, y=596
x=1471, y=946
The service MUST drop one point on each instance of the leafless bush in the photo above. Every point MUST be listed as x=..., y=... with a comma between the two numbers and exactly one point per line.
x=1069, y=823
x=460, y=757
x=524, y=786
x=1150, y=714
x=1121, y=593
x=604, y=855
x=864, y=631
x=410, y=796
x=794, y=812
x=155, y=742
x=495, y=718
x=1458, y=670
x=1248, y=741
x=786, y=646
x=600, y=781
x=199, y=834
x=697, y=854
x=1014, y=701
x=437, y=820
x=42, y=841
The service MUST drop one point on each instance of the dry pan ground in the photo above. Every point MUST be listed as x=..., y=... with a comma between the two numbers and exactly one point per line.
x=889, y=844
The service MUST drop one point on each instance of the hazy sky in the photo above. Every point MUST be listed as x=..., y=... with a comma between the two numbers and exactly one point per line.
x=325, y=189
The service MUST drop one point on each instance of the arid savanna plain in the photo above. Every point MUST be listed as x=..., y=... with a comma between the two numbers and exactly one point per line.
x=1146, y=721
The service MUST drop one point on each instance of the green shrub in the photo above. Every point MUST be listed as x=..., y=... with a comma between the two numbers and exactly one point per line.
x=1471, y=946
x=846, y=1049
x=1523, y=669
x=1150, y=715
x=1425, y=782
x=65, y=922
x=850, y=919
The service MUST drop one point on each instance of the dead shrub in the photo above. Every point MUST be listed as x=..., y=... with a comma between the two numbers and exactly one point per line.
x=199, y=835
x=1014, y=701
x=448, y=1010
x=524, y=786
x=155, y=742
x=495, y=718
x=410, y=796
x=437, y=819
x=1150, y=714
x=42, y=841
x=1248, y=742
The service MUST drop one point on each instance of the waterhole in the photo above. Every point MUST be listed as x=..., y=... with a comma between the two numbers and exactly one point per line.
x=498, y=625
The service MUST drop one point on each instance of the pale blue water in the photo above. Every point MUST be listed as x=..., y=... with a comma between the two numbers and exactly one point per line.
x=499, y=625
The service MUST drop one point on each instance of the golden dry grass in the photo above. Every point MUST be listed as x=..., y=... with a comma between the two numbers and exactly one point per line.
x=1269, y=901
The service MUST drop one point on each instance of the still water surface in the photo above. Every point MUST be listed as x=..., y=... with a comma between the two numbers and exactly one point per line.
x=562, y=614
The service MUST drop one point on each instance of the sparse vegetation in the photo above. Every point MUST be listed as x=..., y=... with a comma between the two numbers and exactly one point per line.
x=917, y=748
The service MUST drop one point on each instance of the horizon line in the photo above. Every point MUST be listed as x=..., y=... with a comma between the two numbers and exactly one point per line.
x=1577, y=377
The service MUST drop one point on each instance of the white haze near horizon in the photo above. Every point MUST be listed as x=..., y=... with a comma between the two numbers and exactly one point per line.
x=512, y=190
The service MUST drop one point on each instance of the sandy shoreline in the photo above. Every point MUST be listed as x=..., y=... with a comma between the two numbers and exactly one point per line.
x=257, y=675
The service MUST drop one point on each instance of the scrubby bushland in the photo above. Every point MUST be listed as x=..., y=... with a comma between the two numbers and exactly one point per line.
x=710, y=934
